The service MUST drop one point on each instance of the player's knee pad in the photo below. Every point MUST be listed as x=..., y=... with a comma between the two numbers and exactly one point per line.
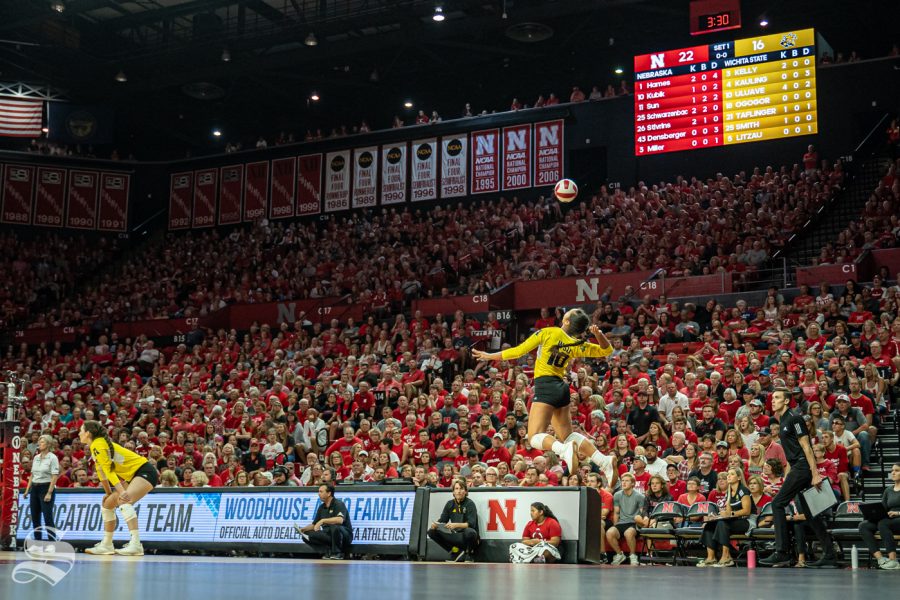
x=576, y=437
x=128, y=512
x=108, y=514
x=537, y=440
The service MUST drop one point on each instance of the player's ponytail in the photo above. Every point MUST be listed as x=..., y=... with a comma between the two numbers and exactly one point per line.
x=97, y=430
x=579, y=321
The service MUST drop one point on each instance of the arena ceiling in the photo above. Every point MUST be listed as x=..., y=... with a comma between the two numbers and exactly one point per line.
x=369, y=56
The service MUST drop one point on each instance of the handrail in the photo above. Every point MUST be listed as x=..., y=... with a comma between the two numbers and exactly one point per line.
x=877, y=126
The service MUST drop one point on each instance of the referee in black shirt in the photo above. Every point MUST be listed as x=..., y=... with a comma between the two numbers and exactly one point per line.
x=798, y=450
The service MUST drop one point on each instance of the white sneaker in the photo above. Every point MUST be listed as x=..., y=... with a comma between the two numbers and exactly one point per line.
x=606, y=465
x=887, y=564
x=101, y=548
x=618, y=559
x=568, y=457
x=634, y=560
x=132, y=548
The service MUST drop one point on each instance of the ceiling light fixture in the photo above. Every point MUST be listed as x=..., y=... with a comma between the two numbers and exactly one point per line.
x=763, y=22
x=58, y=6
x=120, y=76
x=314, y=97
x=311, y=40
x=504, y=15
x=226, y=55
x=217, y=132
x=408, y=104
x=438, y=14
x=619, y=70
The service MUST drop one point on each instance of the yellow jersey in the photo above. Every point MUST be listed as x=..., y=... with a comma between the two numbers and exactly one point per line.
x=554, y=351
x=123, y=464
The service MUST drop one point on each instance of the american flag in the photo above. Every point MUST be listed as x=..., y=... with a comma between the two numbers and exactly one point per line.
x=21, y=118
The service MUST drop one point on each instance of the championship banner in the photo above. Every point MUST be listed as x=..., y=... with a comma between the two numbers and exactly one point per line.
x=337, y=181
x=393, y=173
x=257, y=185
x=365, y=177
x=548, y=155
x=516, y=157
x=84, y=187
x=486, y=161
x=424, y=170
x=309, y=185
x=231, y=190
x=180, y=189
x=50, y=198
x=204, y=198
x=453, y=166
x=113, y=212
x=382, y=517
x=284, y=188
x=18, y=184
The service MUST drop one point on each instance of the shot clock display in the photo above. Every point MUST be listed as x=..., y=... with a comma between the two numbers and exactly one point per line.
x=708, y=16
x=749, y=90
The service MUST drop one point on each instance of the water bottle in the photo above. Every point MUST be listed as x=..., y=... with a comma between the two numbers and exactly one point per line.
x=854, y=558
x=751, y=558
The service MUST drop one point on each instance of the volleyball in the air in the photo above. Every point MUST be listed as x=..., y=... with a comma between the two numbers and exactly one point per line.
x=565, y=190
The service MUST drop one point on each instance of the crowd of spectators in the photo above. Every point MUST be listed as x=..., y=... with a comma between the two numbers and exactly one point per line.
x=687, y=227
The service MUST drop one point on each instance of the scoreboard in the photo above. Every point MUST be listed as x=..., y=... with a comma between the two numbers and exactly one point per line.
x=749, y=90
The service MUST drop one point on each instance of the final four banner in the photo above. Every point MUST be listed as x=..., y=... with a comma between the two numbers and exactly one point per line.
x=516, y=157
x=180, y=190
x=424, y=170
x=18, y=183
x=453, y=166
x=50, y=198
x=204, y=198
x=486, y=161
x=84, y=187
x=284, y=188
x=256, y=191
x=365, y=177
x=231, y=190
x=309, y=185
x=548, y=154
x=337, y=181
x=393, y=173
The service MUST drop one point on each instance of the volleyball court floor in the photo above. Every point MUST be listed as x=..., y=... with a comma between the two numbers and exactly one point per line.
x=161, y=577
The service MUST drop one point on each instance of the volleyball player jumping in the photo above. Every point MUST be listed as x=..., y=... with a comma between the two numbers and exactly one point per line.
x=116, y=464
x=556, y=346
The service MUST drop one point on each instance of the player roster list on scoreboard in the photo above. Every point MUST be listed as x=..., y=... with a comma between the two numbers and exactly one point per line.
x=750, y=90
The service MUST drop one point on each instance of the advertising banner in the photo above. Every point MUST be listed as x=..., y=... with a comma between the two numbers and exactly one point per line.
x=393, y=173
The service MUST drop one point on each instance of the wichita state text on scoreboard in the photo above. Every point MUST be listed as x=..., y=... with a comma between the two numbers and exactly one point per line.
x=750, y=90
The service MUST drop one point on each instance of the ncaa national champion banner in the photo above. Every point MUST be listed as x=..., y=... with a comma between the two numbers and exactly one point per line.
x=180, y=189
x=486, y=161
x=453, y=166
x=18, y=184
x=365, y=177
x=424, y=170
x=548, y=154
x=516, y=157
x=50, y=197
x=284, y=188
x=382, y=518
x=393, y=173
x=112, y=215
x=231, y=190
x=204, y=198
x=255, y=191
x=337, y=181
x=309, y=185
x=84, y=187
